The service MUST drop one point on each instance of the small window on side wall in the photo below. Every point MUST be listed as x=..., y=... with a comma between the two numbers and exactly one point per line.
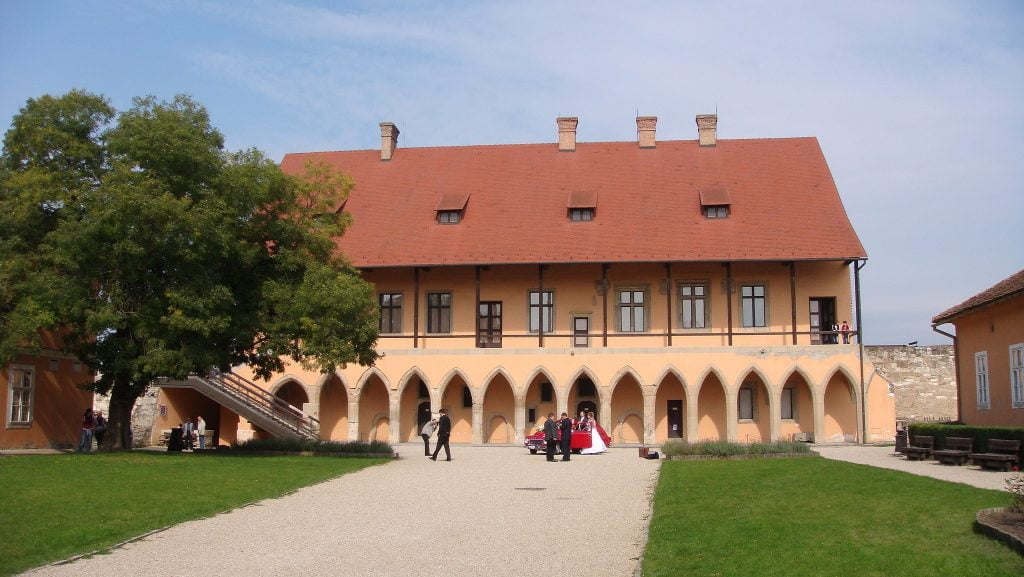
x=581, y=214
x=449, y=216
x=716, y=211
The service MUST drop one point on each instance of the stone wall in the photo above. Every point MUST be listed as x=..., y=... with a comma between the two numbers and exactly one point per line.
x=923, y=379
x=143, y=414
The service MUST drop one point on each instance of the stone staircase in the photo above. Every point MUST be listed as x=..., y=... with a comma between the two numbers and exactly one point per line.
x=247, y=399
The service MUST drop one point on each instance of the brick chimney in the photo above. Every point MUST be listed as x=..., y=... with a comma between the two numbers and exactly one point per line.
x=567, y=133
x=707, y=129
x=645, y=126
x=388, y=140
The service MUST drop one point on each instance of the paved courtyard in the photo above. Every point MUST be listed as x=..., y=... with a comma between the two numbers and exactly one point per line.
x=491, y=511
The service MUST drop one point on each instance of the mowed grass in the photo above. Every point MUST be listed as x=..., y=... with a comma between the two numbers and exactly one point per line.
x=816, y=517
x=56, y=506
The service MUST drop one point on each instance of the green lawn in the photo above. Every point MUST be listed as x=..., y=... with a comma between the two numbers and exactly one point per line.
x=56, y=506
x=815, y=517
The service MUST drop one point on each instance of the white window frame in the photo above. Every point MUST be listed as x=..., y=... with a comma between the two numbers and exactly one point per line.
x=981, y=379
x=548, y=319
x=1017, y=375
x=631, y=305
x=19, y=370
x=687, y=303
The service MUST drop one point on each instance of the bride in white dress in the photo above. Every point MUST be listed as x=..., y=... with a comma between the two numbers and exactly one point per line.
x=596, y=442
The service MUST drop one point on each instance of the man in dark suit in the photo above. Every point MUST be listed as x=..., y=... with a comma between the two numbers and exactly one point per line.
x=565, y=426
x=444, y=430
x=550, y=437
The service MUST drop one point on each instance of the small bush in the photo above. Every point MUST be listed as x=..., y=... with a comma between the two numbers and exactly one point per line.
x=1015, y=485
x=297, y=445
x=724, y=448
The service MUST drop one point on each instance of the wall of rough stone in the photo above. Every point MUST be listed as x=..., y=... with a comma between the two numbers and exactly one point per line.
x=923, y=379
x=143, y=414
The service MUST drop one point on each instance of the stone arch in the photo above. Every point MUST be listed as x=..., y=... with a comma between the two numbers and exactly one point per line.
x=533, y=399
x=669, y=406
x=762, y=406
x=380, y=428
x=850, y=378
x=409, y=400
x=497, y=400
x=628, y=428
x=290, y=390
x=745, y=375
x=499, y=370
x=670, y=369
x=369, y=374
x=333, y=400
x=499, y=429
x=711, y=407
x=322, y=382
x=450, y=398
x=626, y=400
x=708, y=371
x=800, y=405
x=572, y=397
x=617, y=378
x=839, y=422
x=374, y=399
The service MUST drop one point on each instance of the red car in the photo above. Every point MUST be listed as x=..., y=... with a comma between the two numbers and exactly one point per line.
x=580, y=440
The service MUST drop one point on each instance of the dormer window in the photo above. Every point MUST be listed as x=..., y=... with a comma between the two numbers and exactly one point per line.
x=449, y=216
x=450, y=208
x=715, y=202
x=581, y=214
x=582, y=205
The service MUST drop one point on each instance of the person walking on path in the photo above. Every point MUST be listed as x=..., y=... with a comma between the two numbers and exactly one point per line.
x=201, y=431
x=99, y=429
x=550, y=433
x=426, y=432
x=565, y=426
x=88, y=424
x=444, y=431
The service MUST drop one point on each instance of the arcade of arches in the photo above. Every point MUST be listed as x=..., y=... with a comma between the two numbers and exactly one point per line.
x=500, y=410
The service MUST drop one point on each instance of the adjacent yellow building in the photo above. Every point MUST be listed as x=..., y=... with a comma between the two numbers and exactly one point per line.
x=696, y=289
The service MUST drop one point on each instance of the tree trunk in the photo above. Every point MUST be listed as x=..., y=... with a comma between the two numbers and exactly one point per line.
x=119, y=423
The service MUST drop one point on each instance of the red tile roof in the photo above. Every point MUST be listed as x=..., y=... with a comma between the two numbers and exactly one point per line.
x=784, y=203
x=1008, y=287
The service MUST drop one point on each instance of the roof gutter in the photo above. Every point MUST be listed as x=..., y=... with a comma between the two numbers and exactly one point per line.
x=956, y=366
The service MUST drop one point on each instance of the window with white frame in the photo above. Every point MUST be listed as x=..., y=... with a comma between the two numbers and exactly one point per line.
x=631, y=310
x=693, y=307
x=22, y=391
x=981, y=378
x=1017, y=375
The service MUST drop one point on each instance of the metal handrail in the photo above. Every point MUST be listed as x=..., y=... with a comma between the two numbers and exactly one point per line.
x=260, y=399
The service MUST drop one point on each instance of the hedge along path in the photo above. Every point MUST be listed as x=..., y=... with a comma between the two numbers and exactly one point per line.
x=492, y=510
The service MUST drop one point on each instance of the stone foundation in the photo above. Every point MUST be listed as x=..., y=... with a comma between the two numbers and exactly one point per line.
x=923, y=379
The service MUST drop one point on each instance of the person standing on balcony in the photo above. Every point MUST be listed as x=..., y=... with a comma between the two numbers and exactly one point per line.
x=426, y=432
x=444, y=431
x=844, y=330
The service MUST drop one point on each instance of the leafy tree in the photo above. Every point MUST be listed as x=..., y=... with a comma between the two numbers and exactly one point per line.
x=156, y=253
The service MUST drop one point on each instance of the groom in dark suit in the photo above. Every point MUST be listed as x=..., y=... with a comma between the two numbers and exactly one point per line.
x=444, y=431
x=565, y=426
x=550, y=434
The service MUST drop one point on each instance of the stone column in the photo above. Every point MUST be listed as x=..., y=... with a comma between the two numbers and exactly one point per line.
x=353, y=421
x=819, y=416
x=478, y=423
x=395, y=417
x=775, y=416
x=606, y=415
x=649, y=418
x=520, y=419
x=731, y=416
x=691, y=419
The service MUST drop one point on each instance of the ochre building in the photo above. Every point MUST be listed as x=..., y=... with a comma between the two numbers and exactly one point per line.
x=989, y=348
x=687, y=289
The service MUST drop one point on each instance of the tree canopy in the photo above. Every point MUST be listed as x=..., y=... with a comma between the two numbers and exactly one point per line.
x=156, y=253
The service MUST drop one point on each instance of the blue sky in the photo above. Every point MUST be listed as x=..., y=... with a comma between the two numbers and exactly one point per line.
x=918, y=106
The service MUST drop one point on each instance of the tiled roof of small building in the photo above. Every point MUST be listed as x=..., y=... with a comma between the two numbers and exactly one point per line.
x=784, y=203
x=1010, y=286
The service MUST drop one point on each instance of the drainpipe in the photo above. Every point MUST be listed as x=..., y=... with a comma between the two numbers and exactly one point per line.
x=857, y=265
x=956, y=368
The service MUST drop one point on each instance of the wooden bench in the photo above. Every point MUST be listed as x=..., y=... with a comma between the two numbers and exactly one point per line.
x=957, y=451
x=1002, y=455
x=921, y=449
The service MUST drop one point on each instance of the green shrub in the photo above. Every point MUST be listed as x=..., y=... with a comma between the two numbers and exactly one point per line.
x=725, y=448
x=297, y=445
x=981, y=435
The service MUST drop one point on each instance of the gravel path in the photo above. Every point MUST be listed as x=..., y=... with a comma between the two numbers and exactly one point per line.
x=491, y=511
x=885, y=457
